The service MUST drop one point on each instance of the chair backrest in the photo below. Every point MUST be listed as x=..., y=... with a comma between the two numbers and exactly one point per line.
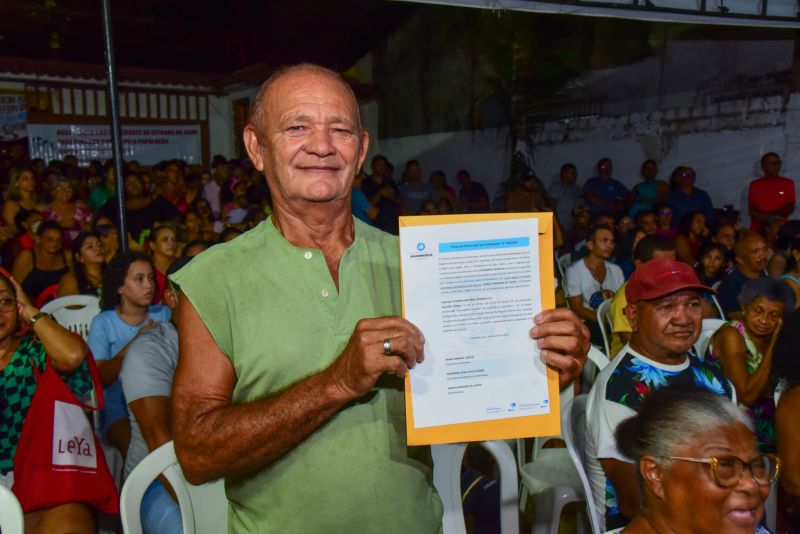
x=12, y=520
x=573, y=429
x=604, y=320
x=595, y=362
x=599, y=359
x=47, y=295
x=564, y=261
x=447, y=460
x=204, y=508
x=74, y=312
x=447, y=480
x=720, y=311
x=709, y=328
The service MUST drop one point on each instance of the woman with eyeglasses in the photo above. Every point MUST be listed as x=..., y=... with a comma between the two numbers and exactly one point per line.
x=698, y=465
x=18, y=356
x=664, y=227
x=685, y=197
x=74, y=217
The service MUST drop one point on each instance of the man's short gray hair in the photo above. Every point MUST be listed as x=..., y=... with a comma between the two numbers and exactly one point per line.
x=258, y=111
x=673, y=416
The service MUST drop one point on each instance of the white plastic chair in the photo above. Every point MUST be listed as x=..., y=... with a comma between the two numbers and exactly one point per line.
x=447, y=460
x=551, y=479
x=771, y=508
x=719, y=307
x=204, y=508
x=604, y=320
x=74, y=312
x=709, y=328
x=573, y=428
x=551, y=476
x=595, y=362
x=12, y=519
x=564, y=261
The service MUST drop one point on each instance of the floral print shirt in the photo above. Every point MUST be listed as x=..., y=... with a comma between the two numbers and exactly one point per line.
x=634, y=378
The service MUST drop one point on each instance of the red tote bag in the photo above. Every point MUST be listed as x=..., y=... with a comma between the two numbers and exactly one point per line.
x=59, y=459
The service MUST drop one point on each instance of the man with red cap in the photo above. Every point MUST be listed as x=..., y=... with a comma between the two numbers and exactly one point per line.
x=665, y=315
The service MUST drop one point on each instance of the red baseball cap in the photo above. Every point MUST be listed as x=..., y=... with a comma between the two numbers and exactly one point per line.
x=660, y=277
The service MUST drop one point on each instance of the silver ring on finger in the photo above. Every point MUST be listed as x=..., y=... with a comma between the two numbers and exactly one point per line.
x=387, y=346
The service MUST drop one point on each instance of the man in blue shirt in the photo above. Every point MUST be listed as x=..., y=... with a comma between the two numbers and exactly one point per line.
x=604, y=193
x=750, y=254
x=685, y=197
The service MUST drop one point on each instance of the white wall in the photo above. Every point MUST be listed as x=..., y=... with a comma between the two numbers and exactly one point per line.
x=722, y=143
x=222, y=137
x=220, y=126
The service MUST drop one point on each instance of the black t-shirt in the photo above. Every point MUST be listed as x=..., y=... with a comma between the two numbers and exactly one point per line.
x=474, y=194
x=143, y=218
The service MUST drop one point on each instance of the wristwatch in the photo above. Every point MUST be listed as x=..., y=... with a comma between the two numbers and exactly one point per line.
x=36, y=316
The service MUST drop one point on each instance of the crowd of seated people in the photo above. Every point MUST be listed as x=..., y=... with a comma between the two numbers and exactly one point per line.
x=744, y=265
x=60, y=236
x=745, y=274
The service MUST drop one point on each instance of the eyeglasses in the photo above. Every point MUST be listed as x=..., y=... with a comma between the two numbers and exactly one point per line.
x=687, y=174
x=8, y=304
x=728, y=470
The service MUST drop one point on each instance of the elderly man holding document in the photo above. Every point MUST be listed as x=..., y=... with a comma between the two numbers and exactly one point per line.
x=289, y=378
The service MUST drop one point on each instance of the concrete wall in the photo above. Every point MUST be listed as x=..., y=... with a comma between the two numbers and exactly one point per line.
x=722, y=142
x=690, y=72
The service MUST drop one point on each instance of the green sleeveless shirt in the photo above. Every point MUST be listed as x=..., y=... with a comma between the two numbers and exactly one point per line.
x=274, y=310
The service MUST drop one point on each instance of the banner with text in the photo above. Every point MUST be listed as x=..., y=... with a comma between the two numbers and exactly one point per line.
x=146, y=144
x=13, y=116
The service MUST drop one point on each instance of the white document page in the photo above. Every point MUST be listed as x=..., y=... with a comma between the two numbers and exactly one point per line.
x=473, y=290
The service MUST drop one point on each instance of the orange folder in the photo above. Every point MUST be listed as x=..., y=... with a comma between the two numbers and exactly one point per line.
x=514, y=427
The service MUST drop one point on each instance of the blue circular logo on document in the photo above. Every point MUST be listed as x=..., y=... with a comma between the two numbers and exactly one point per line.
x=420, y=246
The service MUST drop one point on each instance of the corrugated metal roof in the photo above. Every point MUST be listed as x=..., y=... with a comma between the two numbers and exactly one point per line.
x=36, y=68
